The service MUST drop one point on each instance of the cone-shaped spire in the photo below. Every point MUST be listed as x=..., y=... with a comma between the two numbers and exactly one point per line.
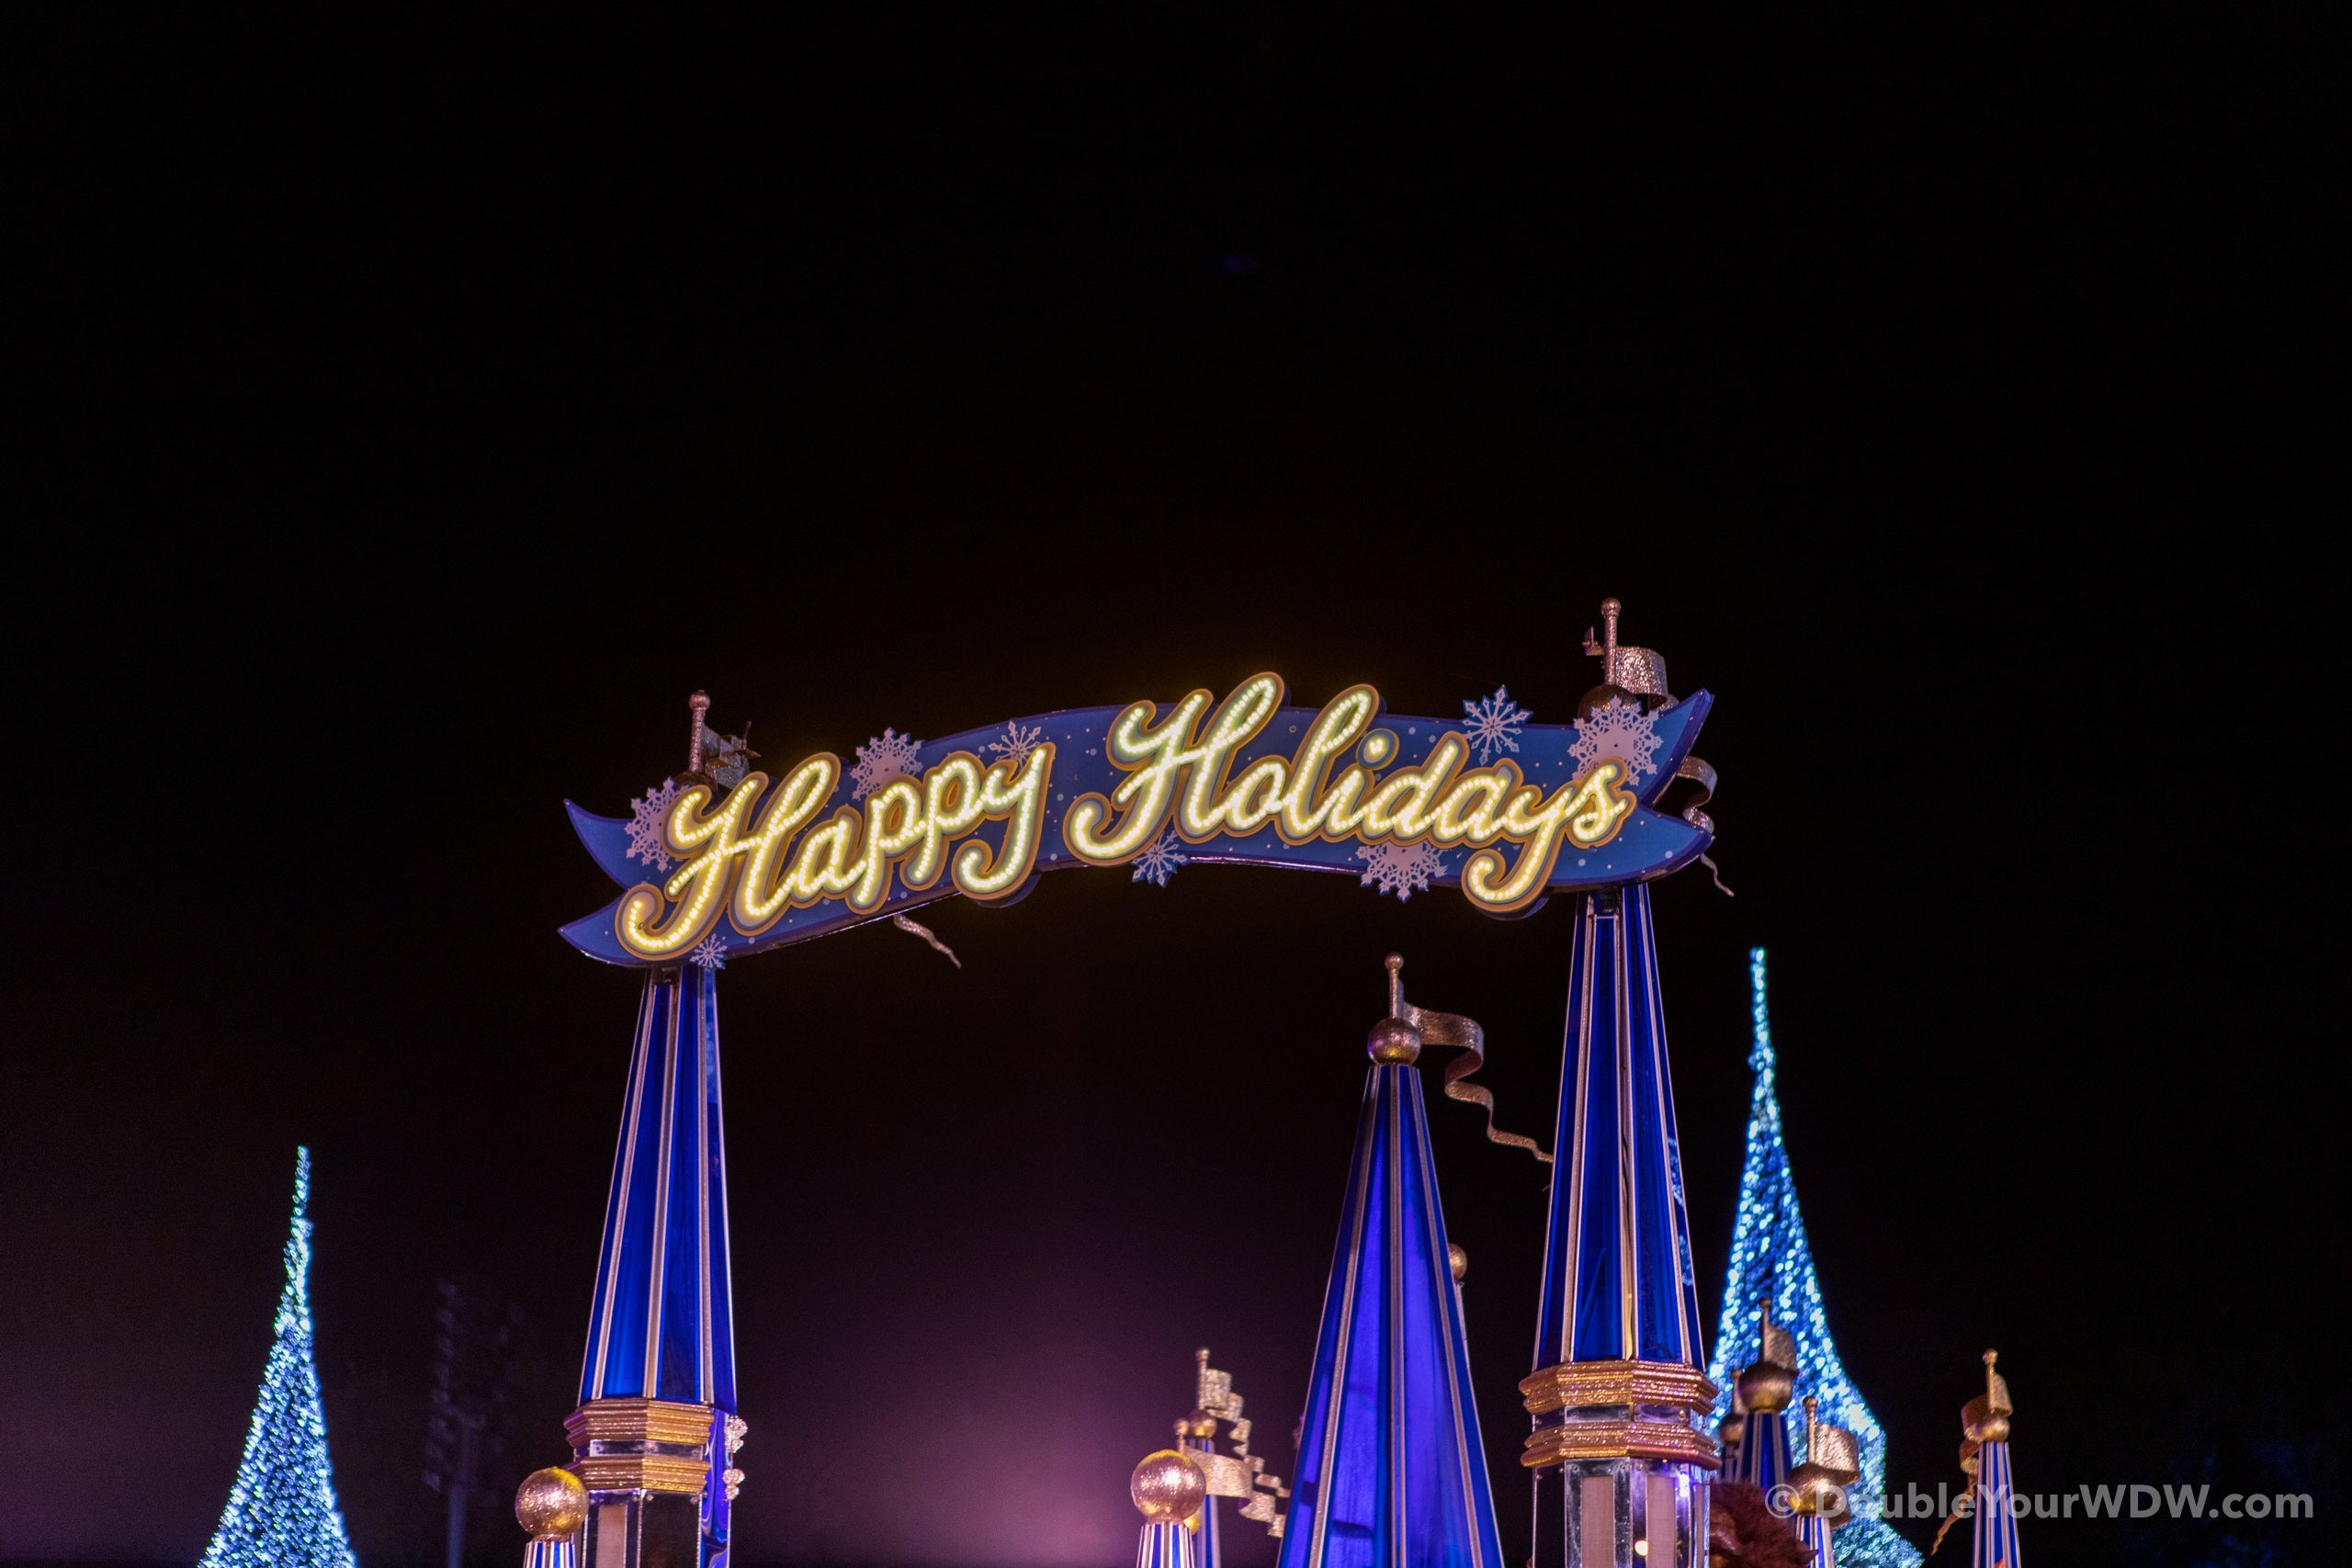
x=1391, y=1473
x=1620, y=1468
x=1617, y=1282
x=661, y=1323
x=1771, y=1271
x=282, y=1510
x=659, y=1375
x=1986, y=1420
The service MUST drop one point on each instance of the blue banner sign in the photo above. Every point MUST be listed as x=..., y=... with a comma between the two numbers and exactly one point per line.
x=728, y=861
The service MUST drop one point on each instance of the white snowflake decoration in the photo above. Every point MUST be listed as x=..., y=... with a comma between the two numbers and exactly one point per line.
x=1401, y=869
x=888, y=756
x=648, y=817
x=1494, y=721
x=1621, y=730
x=1158, y=864
x=1017, y=743
x=710, y=952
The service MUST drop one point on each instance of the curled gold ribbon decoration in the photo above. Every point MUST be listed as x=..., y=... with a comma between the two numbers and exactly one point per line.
x=1241, y=1475
x=1697, y=771
x=916, y=928
x=1464, y=1034
x=1455, y=1032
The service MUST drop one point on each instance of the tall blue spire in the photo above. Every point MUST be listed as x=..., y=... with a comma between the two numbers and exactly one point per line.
x=1771, y=1263
x=1621, y=1471
x=282, y=1510
x=655, y=1422
x=1391, y=1473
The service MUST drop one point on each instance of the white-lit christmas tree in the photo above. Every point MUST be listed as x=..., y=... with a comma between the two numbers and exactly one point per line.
x=1769, y=1256
x=282, y=1510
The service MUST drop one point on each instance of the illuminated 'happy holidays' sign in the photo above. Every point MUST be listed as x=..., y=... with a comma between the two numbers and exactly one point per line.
x=728, y=859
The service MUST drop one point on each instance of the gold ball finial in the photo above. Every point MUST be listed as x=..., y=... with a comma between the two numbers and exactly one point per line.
x=1197, y=1424
x=1393, y=1040
x=1458, y=1261
x=551, y=1504
x=1767, y=1388
x=1168, y=1488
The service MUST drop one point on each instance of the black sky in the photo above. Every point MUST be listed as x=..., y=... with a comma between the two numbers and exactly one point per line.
x=406, y=419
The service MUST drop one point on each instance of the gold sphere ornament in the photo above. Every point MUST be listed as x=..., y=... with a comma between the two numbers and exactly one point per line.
x=1767, y=1388
x=1197, y=1424
x=1457, y=1262
x=551, y=1504
x=1168, y=1488
x=1394, y=1040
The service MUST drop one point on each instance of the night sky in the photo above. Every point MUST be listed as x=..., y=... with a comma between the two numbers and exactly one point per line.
x=406, y=421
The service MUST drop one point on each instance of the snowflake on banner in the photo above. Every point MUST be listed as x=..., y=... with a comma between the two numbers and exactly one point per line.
x=1158, y=864
x=1493, y=723
x=1621, y=730
x=888, y=756
x=1401, y=869
x=1017, y=743
x=646, y=818
x=710, y=952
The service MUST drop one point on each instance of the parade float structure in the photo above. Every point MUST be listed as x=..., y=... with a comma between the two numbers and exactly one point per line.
x=281, y=1511
x=724, y=859
x=1772, y=1305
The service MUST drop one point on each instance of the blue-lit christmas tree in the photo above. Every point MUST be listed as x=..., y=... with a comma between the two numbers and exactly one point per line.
x=1771, y=1257
x=282, y=1510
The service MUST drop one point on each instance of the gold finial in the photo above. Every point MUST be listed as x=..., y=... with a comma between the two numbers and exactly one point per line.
x=698, y=705
x=1626, y=671
x=1168, y=1488
x=1985, y=1419
x=1733, y=1428
x=1767, y=1385
x=1831, y=1465
x=1196, y=1423
x=1392, y=1039
x=551, y=1504
x=1457, y=1262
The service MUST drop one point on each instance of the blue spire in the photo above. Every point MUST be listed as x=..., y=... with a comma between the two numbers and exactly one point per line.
x=1620, y=1469
x=1617, y=1281
x=281, y=1511
x=1772, y=1260
x=661, y=1326
x=1391, y=1473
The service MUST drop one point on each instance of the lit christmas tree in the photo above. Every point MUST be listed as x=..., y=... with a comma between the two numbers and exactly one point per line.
x=282, y=1510
x=1769, y=1256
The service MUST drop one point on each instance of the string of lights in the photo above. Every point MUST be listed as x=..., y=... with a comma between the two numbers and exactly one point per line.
x=282, y=1510
x=1769, y=1256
